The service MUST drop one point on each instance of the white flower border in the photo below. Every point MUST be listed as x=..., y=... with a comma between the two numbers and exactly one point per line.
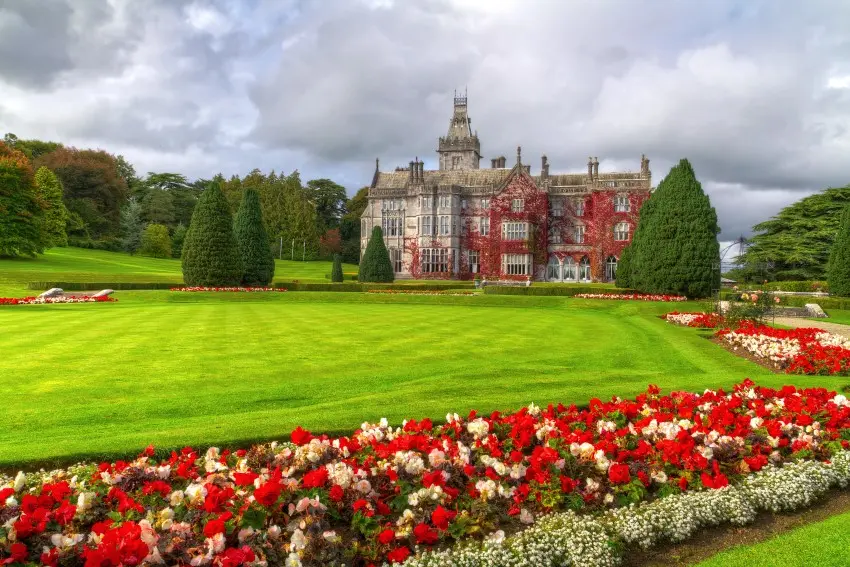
x=570, y=539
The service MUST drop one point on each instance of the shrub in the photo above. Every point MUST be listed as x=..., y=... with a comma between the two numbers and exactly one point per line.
x=253, y=242
x=755, y=307
x=376, y=265
x=155, y=241
x=838, y=269
x=210, y=254
x=336, y=272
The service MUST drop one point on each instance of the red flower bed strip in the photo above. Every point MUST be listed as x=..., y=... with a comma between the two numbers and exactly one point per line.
x=631, y=297
x=202, y=288
x=60, y=299
x=696, y=320
x=374, y=495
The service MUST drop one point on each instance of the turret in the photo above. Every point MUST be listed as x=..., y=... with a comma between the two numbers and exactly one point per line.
x=460, y=148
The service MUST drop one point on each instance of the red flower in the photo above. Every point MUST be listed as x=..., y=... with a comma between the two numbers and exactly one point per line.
x=244, y=478
x=156, y=487
x=336, y=493
x=213, y=527
x=50, y=558
x=618, y=473
x=568, y=484
x=316, y=478
x=65, y=513
x=398, y=555
x=268, y=493
x=301, y=436
x=425, y=534
x=441, y=517
x=386, y=537
x=18, y=552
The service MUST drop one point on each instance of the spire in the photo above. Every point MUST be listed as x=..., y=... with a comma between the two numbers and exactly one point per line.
x=519, y=155
x=459, y=148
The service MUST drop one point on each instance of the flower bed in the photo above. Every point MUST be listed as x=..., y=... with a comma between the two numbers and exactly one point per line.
x=697, y=320
x=796, y=351
x=632, y=297
x=59, y=299
x=202, y=288
x=383, y=492
x=422, y=292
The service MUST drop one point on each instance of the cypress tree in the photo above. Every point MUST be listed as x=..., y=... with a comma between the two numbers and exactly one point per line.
x=838, y=269
x=131, y=225
x=376, y=265
x=253, y=241
x=55, y=217
x=675, y=248
x=210, y=254
x=624, y=268
x=20, y=208
x=336, y=272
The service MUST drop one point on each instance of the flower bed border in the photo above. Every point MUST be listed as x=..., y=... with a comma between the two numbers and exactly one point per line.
x=226, y=289
x=633, y=297
x=55, y=300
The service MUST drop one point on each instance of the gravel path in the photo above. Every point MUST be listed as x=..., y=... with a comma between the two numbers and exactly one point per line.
x=834, y=328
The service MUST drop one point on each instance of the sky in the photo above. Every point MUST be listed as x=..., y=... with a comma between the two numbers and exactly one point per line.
x=755, y=93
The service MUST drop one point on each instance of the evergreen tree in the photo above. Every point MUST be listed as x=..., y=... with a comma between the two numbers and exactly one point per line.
x=20, y=208
x=210, y=254
x=55, y=218
x=177, y=240
x=376, y=265
x=253, y=242
x=675, y=248
x=155, y=241
x=624, y=268
x=336, y=272
x=131, y=226
x=838, y=270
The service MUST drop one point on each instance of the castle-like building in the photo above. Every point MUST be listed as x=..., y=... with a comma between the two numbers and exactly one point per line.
x=502, y=223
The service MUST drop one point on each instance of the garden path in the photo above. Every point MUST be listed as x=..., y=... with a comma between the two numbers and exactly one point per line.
x=835, y=328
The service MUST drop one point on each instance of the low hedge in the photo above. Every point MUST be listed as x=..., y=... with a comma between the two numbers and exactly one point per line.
x=563, y=290
x=361, y=287
x=97, y=286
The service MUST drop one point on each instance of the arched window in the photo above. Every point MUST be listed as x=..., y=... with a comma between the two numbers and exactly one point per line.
x=569, y=271
x=610, y=268
x=553, y=269
x=584, y=269
x=621, y=231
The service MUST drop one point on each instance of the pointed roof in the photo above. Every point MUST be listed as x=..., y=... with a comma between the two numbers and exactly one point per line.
x=459, y=126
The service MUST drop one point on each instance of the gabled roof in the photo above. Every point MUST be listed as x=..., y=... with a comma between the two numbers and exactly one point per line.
x=462, y=177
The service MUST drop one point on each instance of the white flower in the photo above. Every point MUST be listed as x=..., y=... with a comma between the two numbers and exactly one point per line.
x=496, y=537
x=176, y=497
x=274, y=531
x=293, y=560
x=478, y=427
x=298, y=540
x=11, y=502
x=413, y=499
x=244, y=534
x=20, y=480
x=196, y=493
x=331, y=536
x=526, y=517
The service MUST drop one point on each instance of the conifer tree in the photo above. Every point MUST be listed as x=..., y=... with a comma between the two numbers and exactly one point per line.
x=55, y=218
x=253, y=242
x=131, y=225
x=838, y=269
x=336, y=272
x=210, y=254
x=20, y=208
x=675, y=248
x=376, y=265
x=177, y=240
x=624, y=268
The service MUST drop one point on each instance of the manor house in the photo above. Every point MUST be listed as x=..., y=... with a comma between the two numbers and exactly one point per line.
x=502, y=222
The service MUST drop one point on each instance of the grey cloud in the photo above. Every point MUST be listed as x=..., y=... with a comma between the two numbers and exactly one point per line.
x=33, y=42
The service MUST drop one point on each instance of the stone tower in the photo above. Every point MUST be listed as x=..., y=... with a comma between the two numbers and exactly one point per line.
x=460, y=148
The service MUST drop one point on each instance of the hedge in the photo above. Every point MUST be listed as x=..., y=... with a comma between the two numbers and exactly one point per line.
x=361, y=287
x=564, y=290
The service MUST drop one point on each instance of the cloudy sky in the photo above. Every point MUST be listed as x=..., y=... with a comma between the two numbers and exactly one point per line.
x=756, y=93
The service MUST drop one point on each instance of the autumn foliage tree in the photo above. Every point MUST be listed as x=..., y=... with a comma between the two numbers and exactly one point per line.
x=253, y=242
x=210, y=253
x=20, y=208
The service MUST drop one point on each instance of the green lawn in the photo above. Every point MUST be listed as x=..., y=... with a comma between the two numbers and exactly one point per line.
x=824, y=544
x=81, y=265
x=188, y=368
x=837, y=316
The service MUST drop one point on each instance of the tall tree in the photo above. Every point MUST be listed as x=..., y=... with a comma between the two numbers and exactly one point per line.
x=376, y=265
x=30, y=148
x=156, y=242
x=838, y=271
x=158, y=206
x=329, y=199
x=349, y=227
x=675, y=248
x=20, y=207
x=131, y=225
x=55, y=218
x=210, y=254
x=177, y=240
x=127, y=172
x=253, y=242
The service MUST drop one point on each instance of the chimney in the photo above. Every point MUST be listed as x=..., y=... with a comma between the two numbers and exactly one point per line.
x=644, y=165
x=544, y=168
x=410, y=173
x=595, y=168
x=502, y=161
x=493, y=163
x=421, y=172
x=590, y=168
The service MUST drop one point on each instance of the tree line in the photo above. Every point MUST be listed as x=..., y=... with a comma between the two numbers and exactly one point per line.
x=99, y=201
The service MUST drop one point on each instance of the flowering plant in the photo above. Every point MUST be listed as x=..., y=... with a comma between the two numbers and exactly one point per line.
x=377, y=494
x=422, y=292
x=698, y=320
x=204, y=288
x=57, y=299
x=797, y=351
x=631, y=296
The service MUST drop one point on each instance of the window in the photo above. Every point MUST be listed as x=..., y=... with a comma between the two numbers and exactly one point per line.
x=434, y=260
x=584, y=269
x=395, y=257
x=553, y=270
x=363, y=229
x=517, y=205
x=485, y=204
x=392, y=204
x=474, y=261
x=570, y=271
x=444, y=226
x=516, y=264
x=427, y=229
x=455, y=162
x=557, y=208
x=391, y=226
x=579, y=205
x=621, y=204
x=445, y=201
x=621, y=231
x=578, y=233
x=454, y=225
x=463, y=204
x=484, y=226
x=610, y=268
x=555, y=235
x=514, y=231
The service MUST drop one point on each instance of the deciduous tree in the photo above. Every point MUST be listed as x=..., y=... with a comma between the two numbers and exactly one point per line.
x=55, y=218
x=155, y=241
x=20, y=207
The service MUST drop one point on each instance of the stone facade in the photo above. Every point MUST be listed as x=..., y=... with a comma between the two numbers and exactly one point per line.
x=504, y=223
